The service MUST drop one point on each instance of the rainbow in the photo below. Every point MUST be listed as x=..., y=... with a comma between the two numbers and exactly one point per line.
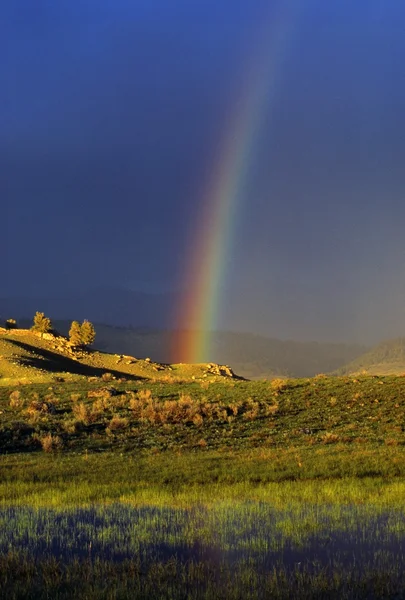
x=199, y=309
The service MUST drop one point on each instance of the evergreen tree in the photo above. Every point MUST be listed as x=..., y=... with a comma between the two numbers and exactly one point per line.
x=42, y=324
x=82, y=335
x=88, y=333
x=75, y=333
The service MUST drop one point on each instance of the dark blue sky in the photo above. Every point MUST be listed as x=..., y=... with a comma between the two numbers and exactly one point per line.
x=110, y=116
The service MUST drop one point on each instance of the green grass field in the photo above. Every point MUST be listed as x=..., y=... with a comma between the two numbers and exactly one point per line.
x=122, y=478
x=320, y=417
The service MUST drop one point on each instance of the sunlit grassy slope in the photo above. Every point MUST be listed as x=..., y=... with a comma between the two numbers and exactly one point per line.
x=57, y=400
x=27, y=357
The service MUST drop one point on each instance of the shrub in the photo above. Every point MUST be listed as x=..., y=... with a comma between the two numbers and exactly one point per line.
x=69, y=425
x=100, y=406
x=278, y=384
x=81, y=412
x=117, y=423
x=105, y=392
x=252, y=409
x=38, y=407
x=51, y=443
x=198, y=420
x=272, y=409
x=42, y=324
x=144, y=395
x=107, y=377
x=15, y=399
x=11, y=324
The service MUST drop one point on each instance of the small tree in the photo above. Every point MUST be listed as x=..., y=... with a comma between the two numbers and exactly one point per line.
x=82, y=335
x=75, y=333
x=88, y=333
x=42, y=324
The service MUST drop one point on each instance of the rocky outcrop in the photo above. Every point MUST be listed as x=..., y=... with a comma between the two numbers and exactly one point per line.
x=221, y=370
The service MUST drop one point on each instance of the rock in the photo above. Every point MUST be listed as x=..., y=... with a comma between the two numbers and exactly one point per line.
x=222, y=370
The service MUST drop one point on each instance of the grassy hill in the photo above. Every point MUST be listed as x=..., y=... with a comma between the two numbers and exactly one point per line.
x=27, y=357
x=251, y=356
x=223, y=429
x=54, y=397
x=387, y=358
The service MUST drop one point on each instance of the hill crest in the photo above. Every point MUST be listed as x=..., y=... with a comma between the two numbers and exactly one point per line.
x=30, y=357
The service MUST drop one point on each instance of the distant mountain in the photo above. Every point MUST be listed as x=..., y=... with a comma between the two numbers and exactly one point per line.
x=257, y=356
x=250, y=356
x=387, y=358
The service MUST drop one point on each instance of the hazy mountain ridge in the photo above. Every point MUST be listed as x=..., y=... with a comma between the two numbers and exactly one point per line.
x=386, y=358
x=249, y=355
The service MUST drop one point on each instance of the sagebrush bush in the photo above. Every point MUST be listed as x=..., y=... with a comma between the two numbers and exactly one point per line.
x=101, y=405
x=38, y=407
x=144, y=394
x=70, y=425
x=117, y=423
x=16, y=400
x=107, y=376
x=81, y=412
x=198, y=420
x=104, y=392
x=51, y=443
x=271, y=409
x=251, y=409
x=278, y=384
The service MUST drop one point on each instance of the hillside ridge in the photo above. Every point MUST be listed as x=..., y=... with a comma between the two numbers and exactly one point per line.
x=386, y=358
x=250, y=355
x=30, y=357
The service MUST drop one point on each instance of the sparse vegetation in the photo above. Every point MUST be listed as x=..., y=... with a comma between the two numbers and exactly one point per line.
x=79, y=428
